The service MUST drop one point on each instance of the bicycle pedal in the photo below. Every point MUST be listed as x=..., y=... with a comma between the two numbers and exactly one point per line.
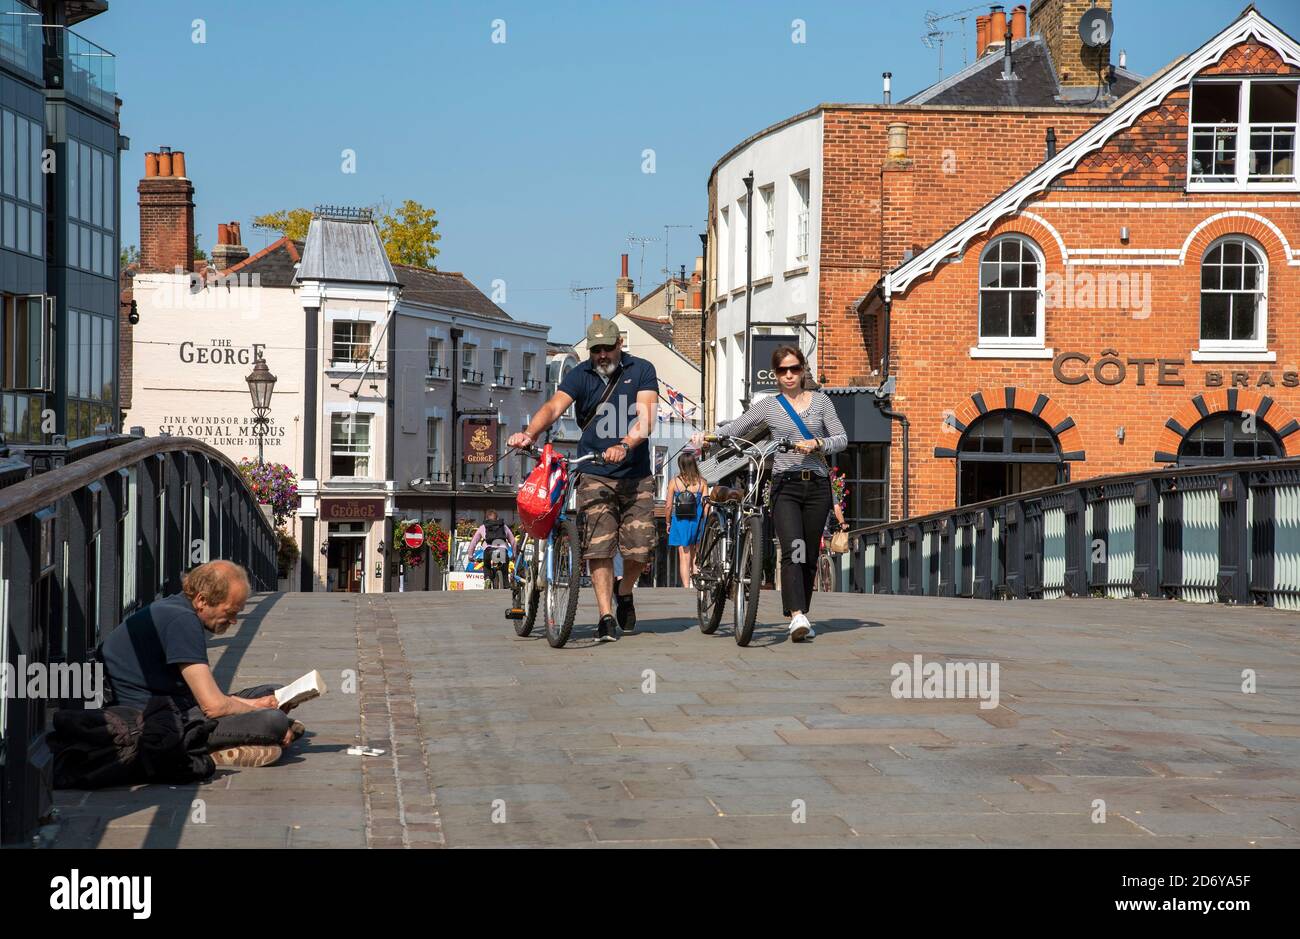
x=514, y=613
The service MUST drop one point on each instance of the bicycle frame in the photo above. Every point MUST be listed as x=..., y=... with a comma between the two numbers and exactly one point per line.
x=756, y=455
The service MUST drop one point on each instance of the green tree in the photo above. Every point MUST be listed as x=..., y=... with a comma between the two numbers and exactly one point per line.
x=408, y=232
x=199, y=253
x=130, y=254
x=291, y=223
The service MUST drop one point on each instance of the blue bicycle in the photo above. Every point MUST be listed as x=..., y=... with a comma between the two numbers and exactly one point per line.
x=548, y=573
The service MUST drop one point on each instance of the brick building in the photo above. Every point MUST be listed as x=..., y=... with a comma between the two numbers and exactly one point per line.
x=845, y=192
x=1128, y=304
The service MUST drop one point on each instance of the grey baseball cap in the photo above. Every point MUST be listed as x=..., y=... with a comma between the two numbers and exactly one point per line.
x=602, y=332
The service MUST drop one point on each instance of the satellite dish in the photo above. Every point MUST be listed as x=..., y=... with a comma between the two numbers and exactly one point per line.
x=1096, y=27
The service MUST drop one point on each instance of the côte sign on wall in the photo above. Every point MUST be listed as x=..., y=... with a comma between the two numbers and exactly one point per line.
x=762, y=380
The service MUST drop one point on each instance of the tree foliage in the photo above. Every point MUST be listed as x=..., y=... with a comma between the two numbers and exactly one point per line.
x=408, y=232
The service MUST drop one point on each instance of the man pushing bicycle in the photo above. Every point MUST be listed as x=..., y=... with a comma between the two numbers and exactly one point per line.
x=615, y=394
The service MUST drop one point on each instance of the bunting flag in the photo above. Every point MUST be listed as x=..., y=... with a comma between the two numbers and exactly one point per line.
x=677, y=401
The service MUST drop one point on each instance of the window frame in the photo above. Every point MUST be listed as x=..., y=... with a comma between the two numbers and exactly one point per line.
x=801, y=218
x=433, y=447
x=351, y=343
x=1011, y=343
x=1261, y=307
x=767, y=259
x=1241, y=181
x=1228, y=419
x=351, y=420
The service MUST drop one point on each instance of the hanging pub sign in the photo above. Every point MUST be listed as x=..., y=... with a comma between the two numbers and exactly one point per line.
x=479, y=440
x=762, y=380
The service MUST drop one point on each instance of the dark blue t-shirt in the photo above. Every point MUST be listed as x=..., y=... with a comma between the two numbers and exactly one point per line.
x=609, y=427
x=143, y=656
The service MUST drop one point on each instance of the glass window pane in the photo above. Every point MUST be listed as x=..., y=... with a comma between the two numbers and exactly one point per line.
x=1024, y=314
x=989, y=274
x=24, y=166
x=74, y=334
x=1010, y=275
x=1211, y=276
x=24, y=227
x=97, y=189
x=1273, y=102
x=1232, y=252
x=1232, y=277
x=74, y=180
x=110, y=190
x=1243, y=316
x=10, y=241
x=73, y=242
x=83, y=352
x=994, y=313
x=84, y=234
x=108, y=360
x=96, y=251
x=37, y=193
x=1214, y=315
x=1215, y=102
x=96, y=366
x=10, y=156
x=84, y=174
x=38, y=234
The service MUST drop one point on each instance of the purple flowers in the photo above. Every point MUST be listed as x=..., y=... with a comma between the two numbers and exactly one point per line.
x=273, y=484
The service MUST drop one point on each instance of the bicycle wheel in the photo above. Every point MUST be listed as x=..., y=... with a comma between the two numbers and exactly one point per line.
x=526, y=592
x=710, y=587
x=564, y=583
x=749, y=578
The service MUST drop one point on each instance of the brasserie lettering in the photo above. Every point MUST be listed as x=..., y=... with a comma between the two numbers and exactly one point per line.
x=1110, y=368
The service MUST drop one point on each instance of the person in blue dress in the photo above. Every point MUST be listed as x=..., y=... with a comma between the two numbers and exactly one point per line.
x=685, y=500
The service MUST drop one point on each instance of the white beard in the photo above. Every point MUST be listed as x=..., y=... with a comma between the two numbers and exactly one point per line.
x=604, y=371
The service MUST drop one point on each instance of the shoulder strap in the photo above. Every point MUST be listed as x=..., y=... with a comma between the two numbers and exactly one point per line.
x=794, y=416
x=609, y=391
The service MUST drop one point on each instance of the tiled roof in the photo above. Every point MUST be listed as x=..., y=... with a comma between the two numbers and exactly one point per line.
x=981, y=83
x=274, y=265
x=448, y=289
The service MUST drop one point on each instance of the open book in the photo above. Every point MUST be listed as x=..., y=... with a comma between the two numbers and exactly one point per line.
x=305, y=688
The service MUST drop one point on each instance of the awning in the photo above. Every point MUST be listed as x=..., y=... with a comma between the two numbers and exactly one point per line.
x=859, y=410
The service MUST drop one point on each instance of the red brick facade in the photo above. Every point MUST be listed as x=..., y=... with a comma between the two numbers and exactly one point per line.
x=1139, y=372
x=874, y=209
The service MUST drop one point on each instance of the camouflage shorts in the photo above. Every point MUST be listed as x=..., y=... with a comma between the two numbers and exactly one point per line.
x=617, y=514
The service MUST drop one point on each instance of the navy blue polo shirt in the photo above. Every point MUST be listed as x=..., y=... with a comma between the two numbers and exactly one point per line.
x=609, y=427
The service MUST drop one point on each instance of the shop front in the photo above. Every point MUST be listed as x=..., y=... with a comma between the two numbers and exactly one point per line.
x=354, y=530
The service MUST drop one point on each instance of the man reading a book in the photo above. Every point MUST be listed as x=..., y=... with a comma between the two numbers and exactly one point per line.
x=161, y=651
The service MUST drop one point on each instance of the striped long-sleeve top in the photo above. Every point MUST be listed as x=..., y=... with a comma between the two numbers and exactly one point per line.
x=820, y=418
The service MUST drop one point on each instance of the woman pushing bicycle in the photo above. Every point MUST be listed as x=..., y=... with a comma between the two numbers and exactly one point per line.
x=801, y=486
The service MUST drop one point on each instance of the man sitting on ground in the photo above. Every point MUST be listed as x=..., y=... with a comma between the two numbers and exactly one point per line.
x=161, y=651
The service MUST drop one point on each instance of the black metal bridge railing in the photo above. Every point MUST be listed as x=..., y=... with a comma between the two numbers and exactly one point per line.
x=1227, y=533
x=87, y=543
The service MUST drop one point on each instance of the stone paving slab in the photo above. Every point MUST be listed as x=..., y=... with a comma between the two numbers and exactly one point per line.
x=498, y=741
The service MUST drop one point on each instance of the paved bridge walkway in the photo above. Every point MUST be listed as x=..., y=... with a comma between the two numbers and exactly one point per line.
x=1134, y=707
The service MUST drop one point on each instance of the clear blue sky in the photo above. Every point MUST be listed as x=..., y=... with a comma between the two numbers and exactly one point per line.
x=530, y=150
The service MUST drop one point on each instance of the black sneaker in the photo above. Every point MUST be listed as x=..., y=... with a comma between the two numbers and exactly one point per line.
x=607, y=629
x=625, y=611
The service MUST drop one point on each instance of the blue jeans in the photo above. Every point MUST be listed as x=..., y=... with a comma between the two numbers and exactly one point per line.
x=264, y=726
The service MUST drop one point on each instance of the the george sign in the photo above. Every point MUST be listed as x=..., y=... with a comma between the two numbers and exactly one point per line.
x=762, y=380
x=479, y=440
x=414, y=537
x=351, y=510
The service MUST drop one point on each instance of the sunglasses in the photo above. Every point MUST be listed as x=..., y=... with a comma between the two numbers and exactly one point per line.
x=601, y=350
x=788, y=369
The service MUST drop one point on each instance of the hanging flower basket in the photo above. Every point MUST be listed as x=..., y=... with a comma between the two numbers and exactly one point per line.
x=435, y=545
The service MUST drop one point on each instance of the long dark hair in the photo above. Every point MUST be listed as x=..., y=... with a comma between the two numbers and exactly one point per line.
x=688, y=468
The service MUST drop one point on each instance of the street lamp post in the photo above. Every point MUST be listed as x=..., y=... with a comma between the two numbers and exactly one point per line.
x=260, y=385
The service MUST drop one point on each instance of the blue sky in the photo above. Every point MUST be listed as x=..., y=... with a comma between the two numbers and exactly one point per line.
x=531, y=149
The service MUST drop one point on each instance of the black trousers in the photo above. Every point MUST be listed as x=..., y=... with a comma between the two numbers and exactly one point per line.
x=799, y=510
x=252, y=727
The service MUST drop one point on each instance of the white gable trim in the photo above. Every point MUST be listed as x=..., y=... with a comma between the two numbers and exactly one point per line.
x=1249, y=25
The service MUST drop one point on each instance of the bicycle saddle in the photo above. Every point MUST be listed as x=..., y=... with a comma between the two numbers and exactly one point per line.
x=723, y=494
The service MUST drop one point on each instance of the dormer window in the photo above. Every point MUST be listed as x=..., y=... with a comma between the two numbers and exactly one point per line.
x=1243, y=134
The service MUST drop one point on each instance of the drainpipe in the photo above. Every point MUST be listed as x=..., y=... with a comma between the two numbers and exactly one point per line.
x=704, y=305
x=455, y=438
x=749, y=276
x=902, y=419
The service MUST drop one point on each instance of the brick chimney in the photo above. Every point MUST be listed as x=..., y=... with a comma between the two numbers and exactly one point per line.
x=624, y=296
x=229, y=249
x=1057, y=21
x=166, y=213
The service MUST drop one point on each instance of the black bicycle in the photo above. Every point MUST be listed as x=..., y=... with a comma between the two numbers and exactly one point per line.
x=731, y=547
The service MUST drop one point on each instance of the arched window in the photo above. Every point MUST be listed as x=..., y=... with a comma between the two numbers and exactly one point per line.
x=1005, y=452
x=1229, y=437
x=1011, y=294
x=1233, y=308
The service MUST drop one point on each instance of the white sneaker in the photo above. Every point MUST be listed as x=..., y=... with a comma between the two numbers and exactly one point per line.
x=800, y=628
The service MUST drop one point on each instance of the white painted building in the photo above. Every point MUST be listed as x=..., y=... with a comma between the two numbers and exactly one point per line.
x=786, y=160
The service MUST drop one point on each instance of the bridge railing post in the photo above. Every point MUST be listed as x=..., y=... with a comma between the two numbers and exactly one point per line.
x=983, y=583
x=1263, y=534
x=1234, y=550
x=1146, y=538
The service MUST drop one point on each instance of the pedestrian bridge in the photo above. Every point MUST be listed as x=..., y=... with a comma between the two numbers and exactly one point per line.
x=1099, y=722
x=924, y=712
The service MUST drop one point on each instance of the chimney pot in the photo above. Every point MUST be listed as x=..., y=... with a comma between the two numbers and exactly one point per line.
x=164, y=161
x=235, y=234
x=624, y=266
x=1020, y=22
x=887, y=79
x=178, y=163
x=150, y=165
x=897, y=141
x=223, y=233
x=997, y=27
x=596, y=316
x=981, y=35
